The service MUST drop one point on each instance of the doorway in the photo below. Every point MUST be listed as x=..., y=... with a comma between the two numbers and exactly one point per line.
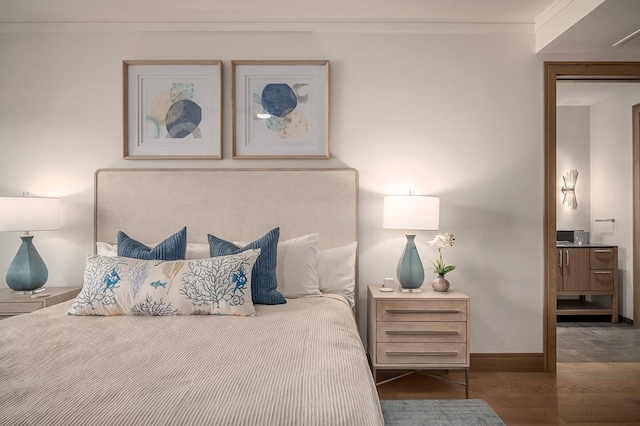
x=578, y=71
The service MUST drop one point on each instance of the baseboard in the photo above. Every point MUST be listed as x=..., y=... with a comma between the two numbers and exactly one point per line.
x=508, y=362
x=625, y=320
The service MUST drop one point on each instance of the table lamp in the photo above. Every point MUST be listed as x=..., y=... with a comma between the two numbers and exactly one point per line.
x=27, y=272
x=413, y=213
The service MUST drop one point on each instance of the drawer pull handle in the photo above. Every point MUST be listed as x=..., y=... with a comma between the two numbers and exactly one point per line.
x=421, y=353
x=602, y=251
x=422, y=333
x=601, y=272
x=422, y=311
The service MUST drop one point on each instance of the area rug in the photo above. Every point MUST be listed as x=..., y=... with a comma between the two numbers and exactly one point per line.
x=418, y=412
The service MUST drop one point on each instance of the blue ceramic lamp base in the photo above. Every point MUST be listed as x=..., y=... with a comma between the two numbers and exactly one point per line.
x=27, y=272
x=410, y=271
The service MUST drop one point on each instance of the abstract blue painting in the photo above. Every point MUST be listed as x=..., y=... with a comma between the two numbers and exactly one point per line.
x=173, y=109
x=281, y=109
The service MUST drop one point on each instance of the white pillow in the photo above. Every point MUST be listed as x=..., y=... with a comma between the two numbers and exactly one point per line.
x=296, y=266
x=123, y=286
x=106, y=249
x=194, y=250
x=197, y=251
x=336, y=269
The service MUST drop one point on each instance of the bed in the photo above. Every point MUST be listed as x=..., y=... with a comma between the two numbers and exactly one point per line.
x=298, y=363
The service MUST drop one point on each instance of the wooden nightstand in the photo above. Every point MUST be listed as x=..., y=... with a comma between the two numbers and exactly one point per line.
x=15, y=304
x=419, y=331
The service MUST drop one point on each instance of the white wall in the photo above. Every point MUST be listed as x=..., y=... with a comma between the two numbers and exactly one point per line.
x=453, y=115
x=572, y=136
x=612, y=184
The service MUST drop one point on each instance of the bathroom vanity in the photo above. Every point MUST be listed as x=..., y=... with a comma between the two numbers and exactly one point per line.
x=587, y=270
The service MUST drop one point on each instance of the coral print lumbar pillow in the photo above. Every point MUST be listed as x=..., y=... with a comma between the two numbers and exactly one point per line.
x=124, y=286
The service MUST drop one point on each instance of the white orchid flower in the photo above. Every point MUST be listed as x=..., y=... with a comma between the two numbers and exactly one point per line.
x=441, y=241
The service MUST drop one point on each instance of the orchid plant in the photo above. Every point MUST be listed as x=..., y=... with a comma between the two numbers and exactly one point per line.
x=441, y=241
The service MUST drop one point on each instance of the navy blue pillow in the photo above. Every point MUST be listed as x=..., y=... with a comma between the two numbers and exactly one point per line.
x=173, y=248
x=263, y=275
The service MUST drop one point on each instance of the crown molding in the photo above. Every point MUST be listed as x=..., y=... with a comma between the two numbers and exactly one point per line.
x=561, y=16
x=273, y=26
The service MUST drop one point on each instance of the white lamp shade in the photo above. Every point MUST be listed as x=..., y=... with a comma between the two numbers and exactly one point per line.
x=29, y=214
x=412, y=212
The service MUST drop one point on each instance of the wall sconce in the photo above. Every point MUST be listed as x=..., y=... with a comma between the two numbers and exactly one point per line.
x=569, y=189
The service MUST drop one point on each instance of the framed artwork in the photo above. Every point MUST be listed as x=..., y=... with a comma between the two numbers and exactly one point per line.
x=172, y=110
x=280, y=109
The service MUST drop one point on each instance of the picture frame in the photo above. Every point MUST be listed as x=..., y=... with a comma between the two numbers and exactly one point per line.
x=280, y=109
x=172, y=109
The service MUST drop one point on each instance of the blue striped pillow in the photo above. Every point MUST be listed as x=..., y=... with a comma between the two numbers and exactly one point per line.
x=173, y=248
x=263, y=278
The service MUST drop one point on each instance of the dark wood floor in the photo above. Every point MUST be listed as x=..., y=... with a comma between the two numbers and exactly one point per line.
x=579, y=393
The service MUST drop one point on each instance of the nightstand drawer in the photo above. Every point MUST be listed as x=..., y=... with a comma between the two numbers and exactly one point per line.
x=601, y=280
x=19, y=307
x=417, y=332
x=422, y=310
x=421, y=353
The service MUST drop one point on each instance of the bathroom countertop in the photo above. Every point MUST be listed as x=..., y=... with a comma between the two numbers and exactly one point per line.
x=560, y=244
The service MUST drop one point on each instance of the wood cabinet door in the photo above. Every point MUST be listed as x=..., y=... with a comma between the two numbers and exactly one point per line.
x=575, y=273
x=560, y=270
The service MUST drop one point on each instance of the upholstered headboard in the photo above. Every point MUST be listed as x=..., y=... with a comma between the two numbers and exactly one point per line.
x=234, y=204
x=237, y=204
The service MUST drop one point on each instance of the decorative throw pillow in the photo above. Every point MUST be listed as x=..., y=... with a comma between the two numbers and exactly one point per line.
x=296, y=266
x=337, y=270
x=126, y=286
x=194, y=250
x=173, y=248
x=263, y=288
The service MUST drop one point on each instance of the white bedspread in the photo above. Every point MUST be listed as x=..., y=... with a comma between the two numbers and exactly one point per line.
x=296, y=364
